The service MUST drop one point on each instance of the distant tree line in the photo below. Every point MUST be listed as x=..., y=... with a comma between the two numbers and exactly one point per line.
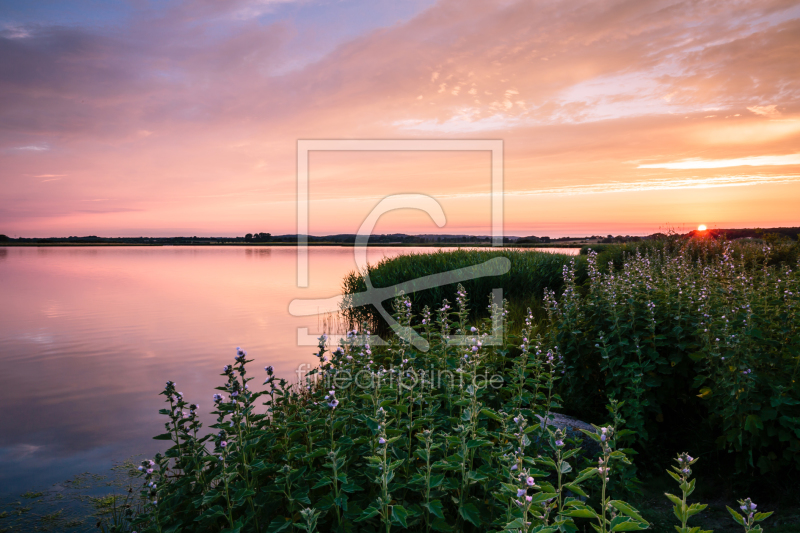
x=258, y=237
x=768, y=235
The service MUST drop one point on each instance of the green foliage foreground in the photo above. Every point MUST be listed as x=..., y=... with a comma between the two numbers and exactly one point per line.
x=701, y=338
x=390, y=438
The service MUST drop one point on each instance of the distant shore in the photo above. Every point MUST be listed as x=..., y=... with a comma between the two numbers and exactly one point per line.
x=10, y=244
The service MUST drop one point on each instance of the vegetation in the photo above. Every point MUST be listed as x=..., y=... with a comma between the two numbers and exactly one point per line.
x=392, y=439
x=700, y=334
x=675, y=341
x=529, y=274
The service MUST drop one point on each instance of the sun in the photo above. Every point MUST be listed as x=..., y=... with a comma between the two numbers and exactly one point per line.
x=701, y=227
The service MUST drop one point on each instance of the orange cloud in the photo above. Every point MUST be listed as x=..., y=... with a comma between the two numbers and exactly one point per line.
x=187, y=119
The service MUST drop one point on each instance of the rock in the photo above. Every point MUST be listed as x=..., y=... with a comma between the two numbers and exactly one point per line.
x=572, y=428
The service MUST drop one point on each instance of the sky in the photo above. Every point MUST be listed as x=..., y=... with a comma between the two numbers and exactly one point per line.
x=154, y=117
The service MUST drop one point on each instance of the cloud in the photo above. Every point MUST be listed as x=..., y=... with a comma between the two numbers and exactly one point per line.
x=765, y=110
x=665, y=185
x=172, y=109
x=32, y=148
x=756, y=161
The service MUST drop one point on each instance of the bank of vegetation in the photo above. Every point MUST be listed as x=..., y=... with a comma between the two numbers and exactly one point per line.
x=684, y=354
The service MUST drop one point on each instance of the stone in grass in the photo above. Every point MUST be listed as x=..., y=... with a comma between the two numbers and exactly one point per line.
x=572, y=429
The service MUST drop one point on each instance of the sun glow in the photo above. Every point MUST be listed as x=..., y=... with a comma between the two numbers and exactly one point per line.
x=701, y=227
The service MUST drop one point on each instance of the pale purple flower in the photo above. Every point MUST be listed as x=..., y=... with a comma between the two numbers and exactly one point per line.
x=223, y=444
x=381, y=441
x=530, y=481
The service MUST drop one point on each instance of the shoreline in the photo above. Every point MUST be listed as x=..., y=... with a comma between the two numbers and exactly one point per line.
x=294, y=245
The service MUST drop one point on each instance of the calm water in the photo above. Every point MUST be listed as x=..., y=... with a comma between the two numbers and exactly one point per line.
x=88, y=336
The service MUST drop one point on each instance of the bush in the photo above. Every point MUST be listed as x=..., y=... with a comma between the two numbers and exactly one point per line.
x=523, y=285
x=376, y=440
x=379, y=438
x=694, y=336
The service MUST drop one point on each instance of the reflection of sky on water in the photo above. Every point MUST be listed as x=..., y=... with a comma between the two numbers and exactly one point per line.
x=88, y=336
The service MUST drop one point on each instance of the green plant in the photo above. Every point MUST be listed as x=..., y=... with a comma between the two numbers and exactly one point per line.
x=695, y=330
x=750, y=518
x=683, y=511
x=413, y=440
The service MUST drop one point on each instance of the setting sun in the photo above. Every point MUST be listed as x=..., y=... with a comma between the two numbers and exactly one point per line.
x=701, y=227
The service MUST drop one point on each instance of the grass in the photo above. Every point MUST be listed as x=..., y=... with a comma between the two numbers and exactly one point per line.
x=530, y=272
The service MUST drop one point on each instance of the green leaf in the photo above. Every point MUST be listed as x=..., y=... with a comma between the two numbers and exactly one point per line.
x=762, y=516
x=211, y=513
x=351, y=487
x=435, y=508
x=491, y=414
x=237, y=527
x=674, y=499
x=400, y=515
x=572, y=487
x=628, y=510
x=591, y=434
x=753, y=423
x=241, y=494
x=369, y=512
x=440, y=524
x=341, y=502
x=325, y=481
x=470, y=513
x=301, y=496
x=542, y=496
x=586, y=512
x=626, y=524
x=210, y=497
x=279, y=524
x=586, y=474
x=163, y=436
x=515, y=525
x=736, y=516
x=324, y=503
x=695, y=508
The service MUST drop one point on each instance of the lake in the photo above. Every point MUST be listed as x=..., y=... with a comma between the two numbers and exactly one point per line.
x=89, y=336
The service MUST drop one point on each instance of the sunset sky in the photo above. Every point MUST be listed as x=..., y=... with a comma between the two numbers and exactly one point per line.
x=145, y=117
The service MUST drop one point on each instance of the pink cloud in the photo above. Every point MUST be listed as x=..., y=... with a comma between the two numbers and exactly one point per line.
x=188, y=118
